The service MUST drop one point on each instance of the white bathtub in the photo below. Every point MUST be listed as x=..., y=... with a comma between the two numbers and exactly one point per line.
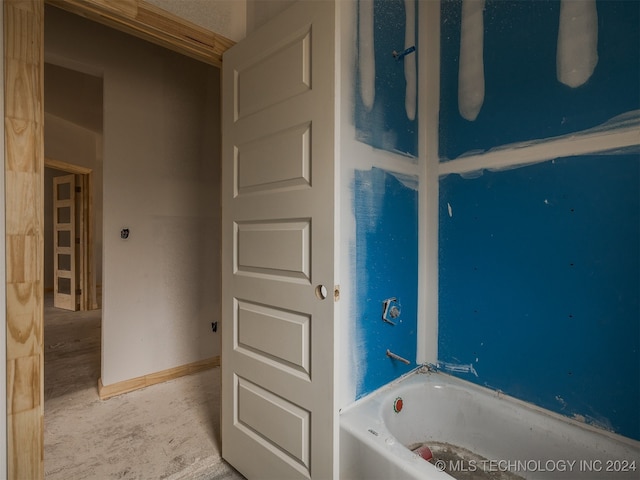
x=509, y=434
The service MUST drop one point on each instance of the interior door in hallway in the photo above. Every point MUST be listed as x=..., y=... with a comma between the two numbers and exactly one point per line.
x=279, y=413
x=64, y=243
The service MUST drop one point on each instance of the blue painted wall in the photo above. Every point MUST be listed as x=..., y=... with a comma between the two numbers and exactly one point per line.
x=539, y=285
x=540, y=265
x=386, y=213
x=523, y=98
x=386, y=125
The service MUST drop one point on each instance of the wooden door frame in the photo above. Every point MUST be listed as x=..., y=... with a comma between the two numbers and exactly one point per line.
x=88, y=300
x=23, y=30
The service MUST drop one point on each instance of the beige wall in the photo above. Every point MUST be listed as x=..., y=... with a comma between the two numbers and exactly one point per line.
x=233, y=19
x=260, y=11
x=224, y=17
x=161, y=287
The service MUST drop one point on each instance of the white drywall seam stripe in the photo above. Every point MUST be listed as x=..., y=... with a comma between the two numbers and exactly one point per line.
x=471, y=70
x=543, y=150
x=366, y=54
x=577, y=51
x=428, y=105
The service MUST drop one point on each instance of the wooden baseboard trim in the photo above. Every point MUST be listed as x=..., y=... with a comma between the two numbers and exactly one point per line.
x=137, y=383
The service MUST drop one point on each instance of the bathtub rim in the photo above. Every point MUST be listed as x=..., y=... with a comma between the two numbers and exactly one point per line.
x=378, y=397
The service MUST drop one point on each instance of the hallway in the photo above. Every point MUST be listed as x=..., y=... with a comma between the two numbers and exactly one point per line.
x=166, y=431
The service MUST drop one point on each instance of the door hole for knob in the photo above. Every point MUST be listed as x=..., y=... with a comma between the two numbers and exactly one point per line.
x=321, y=292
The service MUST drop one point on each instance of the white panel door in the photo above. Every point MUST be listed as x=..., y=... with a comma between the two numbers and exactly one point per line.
x=64, y=243
x=279, y=413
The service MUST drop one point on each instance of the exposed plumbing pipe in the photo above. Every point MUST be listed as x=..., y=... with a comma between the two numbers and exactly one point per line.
x=390, y=354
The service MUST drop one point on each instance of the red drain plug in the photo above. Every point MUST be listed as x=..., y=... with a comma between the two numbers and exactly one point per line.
x=424, y=451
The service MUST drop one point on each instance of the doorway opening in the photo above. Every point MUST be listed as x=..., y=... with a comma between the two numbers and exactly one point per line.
x=73, y=217
x=72, y=299
x=24, y=172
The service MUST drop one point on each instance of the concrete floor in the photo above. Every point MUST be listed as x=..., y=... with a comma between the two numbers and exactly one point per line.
x=166, y=431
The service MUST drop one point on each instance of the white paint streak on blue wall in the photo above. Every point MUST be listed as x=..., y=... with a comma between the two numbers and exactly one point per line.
x=577, y=54
x=410, y=60
x=408, y=180
x=371, y=204
x=471, y=69
x=366, y=55
x=457, y=368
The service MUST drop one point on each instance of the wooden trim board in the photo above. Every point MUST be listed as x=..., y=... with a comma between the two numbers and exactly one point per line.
x=153, y=24
x=137, y=383
x=66, y=167
x=24, y=224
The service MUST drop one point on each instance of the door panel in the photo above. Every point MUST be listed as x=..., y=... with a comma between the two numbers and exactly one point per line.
x=275, y=423
x=281, y=73
x=281, y=249
x=279, y=415
x=290, y=166
x=274, y=335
